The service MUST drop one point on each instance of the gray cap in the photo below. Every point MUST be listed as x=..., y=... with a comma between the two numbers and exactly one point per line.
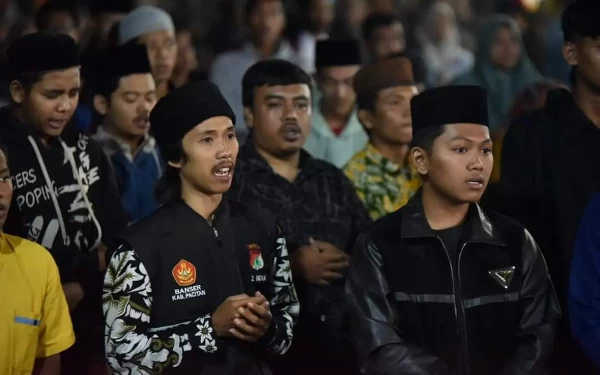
x=142, y=20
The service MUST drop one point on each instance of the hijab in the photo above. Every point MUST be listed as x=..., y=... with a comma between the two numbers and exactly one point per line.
x=502, y=86
x=445, y=59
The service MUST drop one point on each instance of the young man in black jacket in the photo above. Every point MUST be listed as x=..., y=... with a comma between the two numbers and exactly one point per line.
x=202, y=285
x=440, y=286
x=65, y=195
x=550, y=163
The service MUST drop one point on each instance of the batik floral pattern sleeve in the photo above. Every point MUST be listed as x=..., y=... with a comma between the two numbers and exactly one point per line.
x=131, y=347
x=284, y=303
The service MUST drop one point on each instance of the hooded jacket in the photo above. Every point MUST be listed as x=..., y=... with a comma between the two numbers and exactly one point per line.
x=136, y=174
x=65, y=198
x=413, y=312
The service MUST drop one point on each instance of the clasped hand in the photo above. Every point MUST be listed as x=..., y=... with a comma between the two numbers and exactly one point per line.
x=243, y=317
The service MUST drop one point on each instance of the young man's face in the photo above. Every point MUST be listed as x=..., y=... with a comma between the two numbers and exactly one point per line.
x=335, y=84
x=505, y=52
x=460, y=162
x=162, y=52
x=267, y=20
x=211, y=150
x=129, y=108
x=6, y=189
x=51, y=102
x=391, y=122
x=387, y=40
x=585, y=54
x=280, y=118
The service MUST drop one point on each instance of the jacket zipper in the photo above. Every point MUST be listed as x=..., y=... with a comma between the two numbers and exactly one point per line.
x=460, y=319
x=464, y=340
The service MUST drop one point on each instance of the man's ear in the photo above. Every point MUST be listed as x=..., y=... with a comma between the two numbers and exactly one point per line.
x=569, y=51
x=101, y=104
x=366, y=118
x=248, y=117
x=17, y=92
x=419, y=160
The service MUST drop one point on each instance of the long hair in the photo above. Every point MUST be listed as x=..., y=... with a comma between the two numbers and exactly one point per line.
x=168, y=187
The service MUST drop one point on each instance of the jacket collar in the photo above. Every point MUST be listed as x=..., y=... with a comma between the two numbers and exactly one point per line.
x=478, y=227
x=112, y=144
x=255, y=161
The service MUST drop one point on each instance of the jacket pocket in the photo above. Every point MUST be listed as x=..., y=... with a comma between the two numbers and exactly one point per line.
x=25, y=329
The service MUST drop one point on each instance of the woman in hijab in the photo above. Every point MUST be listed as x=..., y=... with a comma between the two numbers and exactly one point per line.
x=502, y=67
x=440, y=41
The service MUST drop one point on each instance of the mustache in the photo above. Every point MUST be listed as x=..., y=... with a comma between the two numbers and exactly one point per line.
x=290, y=126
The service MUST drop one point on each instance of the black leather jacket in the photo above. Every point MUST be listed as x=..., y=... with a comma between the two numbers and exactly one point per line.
x=404, y=314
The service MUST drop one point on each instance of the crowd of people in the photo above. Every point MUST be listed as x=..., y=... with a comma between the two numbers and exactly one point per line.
x=348, y=189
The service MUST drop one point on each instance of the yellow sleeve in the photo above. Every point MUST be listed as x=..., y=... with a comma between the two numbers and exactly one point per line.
x=56, y=329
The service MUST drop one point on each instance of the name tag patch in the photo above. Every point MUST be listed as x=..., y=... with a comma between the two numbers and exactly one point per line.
x=193, y=291
x=27, y=321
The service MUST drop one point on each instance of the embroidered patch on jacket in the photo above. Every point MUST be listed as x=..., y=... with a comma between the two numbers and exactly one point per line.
x=256, y=260
x=503, y=276
x=184, y=273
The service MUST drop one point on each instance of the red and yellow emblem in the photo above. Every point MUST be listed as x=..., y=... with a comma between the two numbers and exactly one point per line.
x=256, y=260
x=184, y=273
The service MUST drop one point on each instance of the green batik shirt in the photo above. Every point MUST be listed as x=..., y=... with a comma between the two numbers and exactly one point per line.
x=383, y=186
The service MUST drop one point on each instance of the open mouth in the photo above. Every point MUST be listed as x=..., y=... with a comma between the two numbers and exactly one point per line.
x=291, y=132
x=57, y=123
x=223, y=170
x=476, y=182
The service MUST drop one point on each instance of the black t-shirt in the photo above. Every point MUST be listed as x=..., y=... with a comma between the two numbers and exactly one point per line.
x=451, y=239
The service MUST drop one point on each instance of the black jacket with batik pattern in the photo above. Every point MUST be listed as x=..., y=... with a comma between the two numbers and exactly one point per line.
x=406, y=317
x=170, y=274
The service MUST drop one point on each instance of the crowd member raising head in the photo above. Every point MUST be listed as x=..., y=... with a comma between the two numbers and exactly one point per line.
x=471, y=292
x=154, y=28
x=203, y=284
x=65, y=196
x=381, y=173
x=314, y=202
x=502, y=68
x=336, y=133
x=126, y=94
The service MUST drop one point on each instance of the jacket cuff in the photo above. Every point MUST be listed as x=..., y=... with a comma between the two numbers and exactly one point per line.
x=204, y=335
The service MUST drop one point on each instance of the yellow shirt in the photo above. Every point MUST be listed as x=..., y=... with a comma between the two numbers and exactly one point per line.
x=34, y=316
x=383, y=186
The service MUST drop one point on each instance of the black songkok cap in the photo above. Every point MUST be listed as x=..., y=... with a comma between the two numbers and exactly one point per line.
x=337, y=53
x=124, y=61
x=182, y=110
x=41, y=52
x=449, y=105
x=580, y=19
